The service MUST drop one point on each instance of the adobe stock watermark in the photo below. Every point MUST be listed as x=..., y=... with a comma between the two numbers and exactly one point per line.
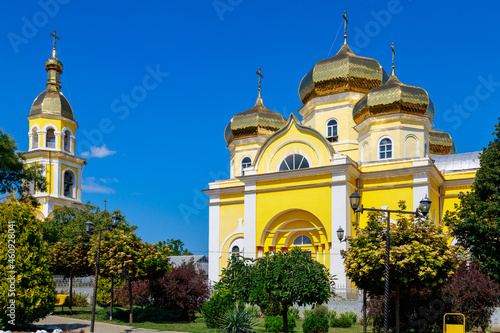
x=362, y=37
x=11, y=273
x=122, y=107
x=30, y=26
x=470, y=104
x=223, y=6
x=199, y=201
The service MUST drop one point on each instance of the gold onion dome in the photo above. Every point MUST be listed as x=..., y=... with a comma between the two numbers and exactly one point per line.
x=258, y=121
x=394, y=97
x=345, y=71
x=52, y=101
x=441, y=143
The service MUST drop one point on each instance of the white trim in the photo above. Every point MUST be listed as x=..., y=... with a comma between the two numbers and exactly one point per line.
x=336, y=124
x=250, y=215
x=213, y=239
x=241, y=164
x=364, y=145
x=50, y=125
x=240, y=243
x=418, y=145
x=392, y=149
x=293, y=153
x=238, y=230
x=47, y=160
x=75, y=181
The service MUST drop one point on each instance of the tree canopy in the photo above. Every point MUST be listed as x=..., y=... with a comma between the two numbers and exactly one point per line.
x=475, y=222
x=15, y=176
x=280, y=278
x=27, y=289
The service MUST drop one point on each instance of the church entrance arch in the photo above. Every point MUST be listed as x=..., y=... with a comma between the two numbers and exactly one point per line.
x=295, y=227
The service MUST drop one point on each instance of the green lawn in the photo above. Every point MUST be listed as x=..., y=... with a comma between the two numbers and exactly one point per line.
x=198, y=326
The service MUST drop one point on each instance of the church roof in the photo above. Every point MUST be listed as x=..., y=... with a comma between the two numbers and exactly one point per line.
x=456, y=162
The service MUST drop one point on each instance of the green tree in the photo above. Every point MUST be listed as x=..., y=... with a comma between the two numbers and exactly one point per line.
x=175, y=247
x=475, y=223
x=420, y=256
x=69, y=242
x=15, y=176
x=27, y=290
x=125, y=256
x=281, y=278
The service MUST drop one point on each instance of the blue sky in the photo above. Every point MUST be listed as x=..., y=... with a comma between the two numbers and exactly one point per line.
x=154, y=83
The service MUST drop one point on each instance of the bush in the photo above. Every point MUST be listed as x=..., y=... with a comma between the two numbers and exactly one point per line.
x=307, y=313
x=320, y=310
x=474, y=294
x=238, y=320
x=316, y=322
x=343, y=320
x=78, y=300
x=214, y=309
x=254, y=311
x=275, y=323
x=353, y=316
x=294, y=312
x=104, y=292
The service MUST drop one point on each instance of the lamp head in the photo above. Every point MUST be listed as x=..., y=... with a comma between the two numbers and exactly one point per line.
x=89, y=227
x=340, y=234
x=354, y=200
x=115, y=219
x=425, y=205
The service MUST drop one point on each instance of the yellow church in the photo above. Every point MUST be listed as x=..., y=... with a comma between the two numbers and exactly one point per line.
x=52, y=129
x=290, y=179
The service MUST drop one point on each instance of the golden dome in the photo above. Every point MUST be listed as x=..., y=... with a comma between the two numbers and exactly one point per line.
x=258, y=121
x=394, y=97
x=343, y=72
x=441, y=143
x=52, y=101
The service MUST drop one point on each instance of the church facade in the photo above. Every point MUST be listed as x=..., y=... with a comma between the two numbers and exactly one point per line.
x=52, y=130
x=290, y=179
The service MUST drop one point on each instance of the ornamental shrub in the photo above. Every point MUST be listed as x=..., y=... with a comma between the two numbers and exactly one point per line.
x=342, y=320
x=474, y=294
x=294, y=312
x=238, y=320
x=215, y=307
x=316, y=323
x=275, y=323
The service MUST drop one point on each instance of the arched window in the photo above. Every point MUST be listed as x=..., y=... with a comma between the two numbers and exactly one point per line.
x=331, y=130
x=34, y=138
x=245, y=163
x=67, y=141
x=235, y=250
x=69, y=184
x=293, y=162
x=385, y=149
x=302, y=240
x=50, y=141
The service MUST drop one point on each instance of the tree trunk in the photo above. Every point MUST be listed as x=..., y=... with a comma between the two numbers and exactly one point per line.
x=397, y=309
x=131, y=317
x=70, y=293
x=111, y=305
x=285, y=318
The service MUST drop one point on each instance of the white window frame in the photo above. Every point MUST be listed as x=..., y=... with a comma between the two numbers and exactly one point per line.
x=75, y=180
x=292, y=153
x=385, y=152
x=334, y=138
x=242, y=172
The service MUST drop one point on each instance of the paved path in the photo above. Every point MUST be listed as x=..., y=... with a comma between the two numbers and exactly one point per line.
x=77, y=324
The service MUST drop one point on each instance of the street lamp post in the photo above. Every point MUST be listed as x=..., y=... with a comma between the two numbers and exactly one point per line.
x=423, y=209
x=89, y=227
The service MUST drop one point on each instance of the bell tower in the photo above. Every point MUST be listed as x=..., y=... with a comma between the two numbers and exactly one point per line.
x=52, y=130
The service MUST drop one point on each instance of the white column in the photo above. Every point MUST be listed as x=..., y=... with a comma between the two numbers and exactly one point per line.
x=57, y=178
x=420, y=188
x=213, y=238
x=340, y=218
x=249, y=220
